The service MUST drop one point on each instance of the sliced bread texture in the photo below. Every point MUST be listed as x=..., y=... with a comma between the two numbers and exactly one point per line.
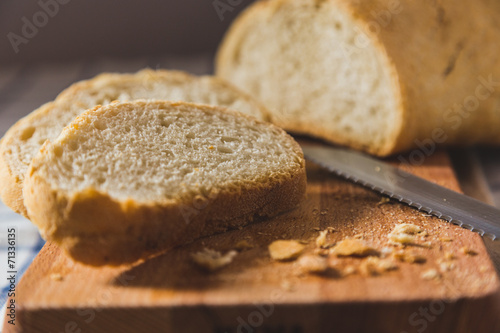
x=24, y=139
x=382, y=76
x=131, y=179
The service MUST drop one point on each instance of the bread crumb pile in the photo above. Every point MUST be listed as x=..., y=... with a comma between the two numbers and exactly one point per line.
x=401, y=247
x=285, y=249
x=213, y=260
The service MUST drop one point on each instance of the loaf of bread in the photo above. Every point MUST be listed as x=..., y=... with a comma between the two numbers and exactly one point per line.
x=382, y=76
x=131, y=179
x=25, y=138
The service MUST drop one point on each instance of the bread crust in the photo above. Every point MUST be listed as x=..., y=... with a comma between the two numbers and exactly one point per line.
x=435, y=51
x=12, y=178
x=11, y=190
x=97, y=229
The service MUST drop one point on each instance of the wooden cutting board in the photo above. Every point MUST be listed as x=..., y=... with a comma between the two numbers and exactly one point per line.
x=169, y=293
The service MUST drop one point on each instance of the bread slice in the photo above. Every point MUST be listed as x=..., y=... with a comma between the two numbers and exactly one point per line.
x=25, y=138
x=130, y=179
x=382, y=76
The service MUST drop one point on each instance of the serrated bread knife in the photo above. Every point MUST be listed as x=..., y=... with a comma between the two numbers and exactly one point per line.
x=425, y=196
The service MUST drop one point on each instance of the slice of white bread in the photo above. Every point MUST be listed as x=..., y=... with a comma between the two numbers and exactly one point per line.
x=130, y=179
x=382, y=76
x=24, y=139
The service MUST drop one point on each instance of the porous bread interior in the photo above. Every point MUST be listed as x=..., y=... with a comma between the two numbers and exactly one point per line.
x=48, y=122
x=316, y=70
x=158, y=151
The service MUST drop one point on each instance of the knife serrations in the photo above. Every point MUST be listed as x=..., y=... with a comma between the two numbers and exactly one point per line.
x=404, y=187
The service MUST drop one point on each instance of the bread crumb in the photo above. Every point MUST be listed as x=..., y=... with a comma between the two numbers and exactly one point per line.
x=446, y=239
x=354, y=247
x=424, y=234
x=322, y=252
x=312, y=264
x=383, y=201
x=243, y=245
x=358, y=236
x=285, y=249
x=410, y=257
x=468, y=251
x=404, y=233
x=407, y=228
x=387, y=265
x=449, y=256
x=401, y=239
x=321, y=241
x=349, y=270
x=386, y=251
x=368, y=267
x=430, y=274
x=427, y=245
x=56, y=277
x=212, y=260
x=445, y=266
x=374, y=266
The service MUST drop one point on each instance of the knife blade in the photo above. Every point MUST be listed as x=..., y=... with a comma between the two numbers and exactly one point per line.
x=414, y=191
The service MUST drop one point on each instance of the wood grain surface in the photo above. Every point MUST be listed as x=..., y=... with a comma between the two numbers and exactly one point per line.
x=169, y=293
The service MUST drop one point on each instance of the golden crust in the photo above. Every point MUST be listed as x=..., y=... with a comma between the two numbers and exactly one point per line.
x=11, y=190
x=97, y=229
x=12, y=179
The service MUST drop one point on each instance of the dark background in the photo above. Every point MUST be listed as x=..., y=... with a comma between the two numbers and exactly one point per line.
x=83, y=29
